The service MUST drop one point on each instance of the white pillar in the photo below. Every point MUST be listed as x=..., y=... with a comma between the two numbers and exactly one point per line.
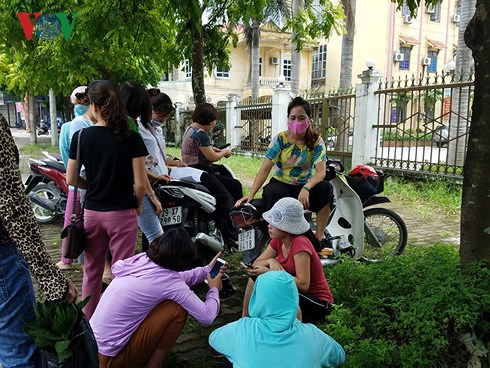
x=367, y=106
x=54, y=118
x=280, y=101
x=178, y=124
x=233, y=121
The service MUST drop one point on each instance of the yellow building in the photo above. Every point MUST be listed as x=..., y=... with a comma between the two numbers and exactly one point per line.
x=275, y=60
x=401, y=45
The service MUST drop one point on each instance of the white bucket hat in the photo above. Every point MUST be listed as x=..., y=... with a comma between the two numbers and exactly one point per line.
x=287, y=215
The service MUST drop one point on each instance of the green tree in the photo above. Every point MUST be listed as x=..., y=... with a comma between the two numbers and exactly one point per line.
x=307, y=23
x=127, y=40
x=275, y=11
x=205, y=30
x=475, y=222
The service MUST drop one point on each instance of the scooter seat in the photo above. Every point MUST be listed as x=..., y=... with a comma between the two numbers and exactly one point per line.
x=55, y=165
x=189, y=184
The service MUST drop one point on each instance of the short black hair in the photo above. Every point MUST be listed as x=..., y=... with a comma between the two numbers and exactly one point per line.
x=204, y=114
x=174, y=250
x=137, y=101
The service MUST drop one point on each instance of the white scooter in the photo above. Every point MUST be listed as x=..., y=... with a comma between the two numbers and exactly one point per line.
x=368, y=234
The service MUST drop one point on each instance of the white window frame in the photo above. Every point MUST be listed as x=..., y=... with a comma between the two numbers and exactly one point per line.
x=187, y=68
x=224, y=74
x=319, y=65
x=286, y=69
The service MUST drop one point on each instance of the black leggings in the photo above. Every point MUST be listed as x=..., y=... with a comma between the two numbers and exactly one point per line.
x=320, y=195
x=314, y=310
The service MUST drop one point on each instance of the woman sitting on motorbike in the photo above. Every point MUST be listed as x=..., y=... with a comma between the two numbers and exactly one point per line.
x=293, y=248
x=198, y=152
x=298, y=157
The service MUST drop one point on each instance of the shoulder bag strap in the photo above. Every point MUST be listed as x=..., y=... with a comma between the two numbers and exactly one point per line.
x=75, y=192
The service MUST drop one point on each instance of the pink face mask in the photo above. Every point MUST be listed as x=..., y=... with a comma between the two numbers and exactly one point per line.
x=298, y=127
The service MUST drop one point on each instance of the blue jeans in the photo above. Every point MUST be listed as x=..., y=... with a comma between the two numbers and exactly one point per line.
x=149, y=222
x=17, y=301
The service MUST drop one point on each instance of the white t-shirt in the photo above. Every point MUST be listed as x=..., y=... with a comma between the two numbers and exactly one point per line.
x=155, y=144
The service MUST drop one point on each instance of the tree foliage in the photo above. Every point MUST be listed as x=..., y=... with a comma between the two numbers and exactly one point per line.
x=311, y=22
x=110, y=40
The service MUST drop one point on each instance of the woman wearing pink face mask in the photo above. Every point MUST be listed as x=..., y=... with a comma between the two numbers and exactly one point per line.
x=298, y=157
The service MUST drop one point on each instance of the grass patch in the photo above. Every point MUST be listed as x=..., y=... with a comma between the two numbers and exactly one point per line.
x=410, y=311
x=34, y=150
x=428, y=196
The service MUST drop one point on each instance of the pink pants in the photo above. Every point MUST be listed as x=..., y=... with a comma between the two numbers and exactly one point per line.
x=69, y=209
x=116, y=230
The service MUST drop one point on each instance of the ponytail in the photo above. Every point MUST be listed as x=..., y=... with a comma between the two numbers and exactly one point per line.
x=105, y=95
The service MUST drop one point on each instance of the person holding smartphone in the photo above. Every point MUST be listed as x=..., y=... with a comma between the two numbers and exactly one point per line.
x=144, y=309
x=293, y=248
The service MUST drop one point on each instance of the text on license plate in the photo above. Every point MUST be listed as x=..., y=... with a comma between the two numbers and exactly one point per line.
x=246, y=240
x=171, y=216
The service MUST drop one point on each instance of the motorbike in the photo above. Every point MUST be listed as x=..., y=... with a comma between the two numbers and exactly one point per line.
x=188, y=204
x=46, y=188
x=43, y=128
x=368, y=234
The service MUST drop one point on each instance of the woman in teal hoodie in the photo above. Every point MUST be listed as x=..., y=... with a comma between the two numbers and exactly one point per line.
x=272, y=336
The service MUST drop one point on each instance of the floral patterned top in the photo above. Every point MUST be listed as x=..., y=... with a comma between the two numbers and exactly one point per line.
x=294, y=164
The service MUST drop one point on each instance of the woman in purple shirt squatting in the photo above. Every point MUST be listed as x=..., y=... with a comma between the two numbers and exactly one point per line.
x=144, y=309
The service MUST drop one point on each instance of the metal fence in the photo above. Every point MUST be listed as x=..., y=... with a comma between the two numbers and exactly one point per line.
x=423, y=125
x=256, y=126
x=333, y=117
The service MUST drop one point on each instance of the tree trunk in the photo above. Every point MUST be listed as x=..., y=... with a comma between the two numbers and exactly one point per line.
x=342, y=123
x=53, y=117
x=458, y=126
x=197, y=65
x=30, y=116
x=295, y=56
x=475, y=220
x=255, y=52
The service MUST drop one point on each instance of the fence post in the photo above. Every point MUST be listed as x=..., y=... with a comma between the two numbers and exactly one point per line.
x=280, y=101
x=366, y=116
x=178, y=124
x=233, y=128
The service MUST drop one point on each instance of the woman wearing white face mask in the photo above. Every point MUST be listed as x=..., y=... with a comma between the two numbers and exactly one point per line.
x=298, y=156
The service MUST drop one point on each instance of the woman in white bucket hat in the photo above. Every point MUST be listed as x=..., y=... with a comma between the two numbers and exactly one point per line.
x=294, y=248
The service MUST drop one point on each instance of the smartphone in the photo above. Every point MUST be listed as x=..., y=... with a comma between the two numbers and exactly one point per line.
x=246, y=265
x=217, y=266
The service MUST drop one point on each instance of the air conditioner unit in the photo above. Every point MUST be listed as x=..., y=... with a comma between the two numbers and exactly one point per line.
x=426, y=61
x=274, y=60
x=398, y=57
x=430, y=9
x=407, y=19
x=456, y=18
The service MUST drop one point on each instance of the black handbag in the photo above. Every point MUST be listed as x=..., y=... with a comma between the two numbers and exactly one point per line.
x=74, y=231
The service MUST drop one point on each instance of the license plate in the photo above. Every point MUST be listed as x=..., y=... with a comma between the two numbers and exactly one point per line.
x=246, y=240
x=171, y=216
